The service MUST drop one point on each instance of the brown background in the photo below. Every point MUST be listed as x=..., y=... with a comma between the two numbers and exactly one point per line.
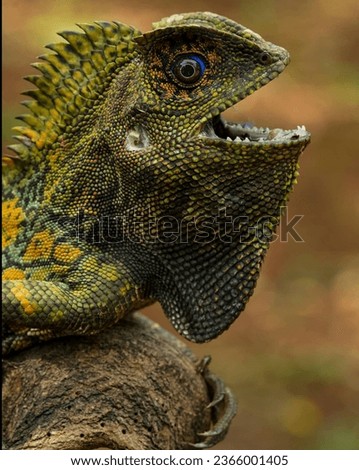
x=292, y=357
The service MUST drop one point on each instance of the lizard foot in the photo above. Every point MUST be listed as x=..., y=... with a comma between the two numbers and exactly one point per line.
x=223, y=405
x=23, y=339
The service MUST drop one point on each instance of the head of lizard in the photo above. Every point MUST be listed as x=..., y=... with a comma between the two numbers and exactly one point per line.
x=133, y=135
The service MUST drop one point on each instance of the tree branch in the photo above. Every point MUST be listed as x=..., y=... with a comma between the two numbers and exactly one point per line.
x=131, y=387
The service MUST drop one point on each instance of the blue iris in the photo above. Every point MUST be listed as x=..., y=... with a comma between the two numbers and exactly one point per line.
x=199, y=61
x=188, y=69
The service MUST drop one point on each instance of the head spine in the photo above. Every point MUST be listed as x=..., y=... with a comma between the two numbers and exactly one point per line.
x=72, y=80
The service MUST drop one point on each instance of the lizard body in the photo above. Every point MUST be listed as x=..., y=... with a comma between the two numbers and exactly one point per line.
x=129, y=187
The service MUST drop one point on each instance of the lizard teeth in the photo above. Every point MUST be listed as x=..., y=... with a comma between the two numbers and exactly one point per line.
x=219, y=128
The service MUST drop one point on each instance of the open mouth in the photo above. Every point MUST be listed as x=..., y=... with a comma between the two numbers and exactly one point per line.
x=219, y=128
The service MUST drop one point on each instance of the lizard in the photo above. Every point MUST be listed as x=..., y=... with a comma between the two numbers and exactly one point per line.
x=127, y=185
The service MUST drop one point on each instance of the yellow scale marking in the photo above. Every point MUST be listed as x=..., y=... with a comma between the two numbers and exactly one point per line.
x=13, y=274
x=39, y=247
x=23, y=295
x=12, y=218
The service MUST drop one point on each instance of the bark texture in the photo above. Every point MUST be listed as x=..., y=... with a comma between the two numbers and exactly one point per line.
x=131, y=387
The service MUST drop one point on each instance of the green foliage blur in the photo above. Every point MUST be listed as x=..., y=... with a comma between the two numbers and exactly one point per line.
x=292, y=358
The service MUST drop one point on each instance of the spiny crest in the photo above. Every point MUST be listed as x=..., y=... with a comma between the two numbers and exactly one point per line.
x=206, y=20
x=71, y=81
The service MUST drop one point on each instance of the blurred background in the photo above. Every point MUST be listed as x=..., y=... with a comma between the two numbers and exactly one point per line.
x=292, y=358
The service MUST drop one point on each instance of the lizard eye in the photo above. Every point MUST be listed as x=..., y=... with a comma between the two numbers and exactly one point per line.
x=188, y=69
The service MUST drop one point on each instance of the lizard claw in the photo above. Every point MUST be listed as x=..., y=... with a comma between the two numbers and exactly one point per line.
x=223, y=404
